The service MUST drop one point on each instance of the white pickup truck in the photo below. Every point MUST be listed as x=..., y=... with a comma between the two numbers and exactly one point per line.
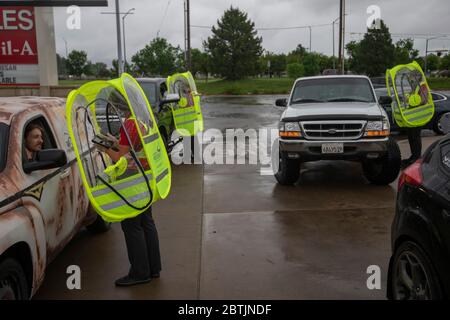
x=336, y=118
x=43, y=203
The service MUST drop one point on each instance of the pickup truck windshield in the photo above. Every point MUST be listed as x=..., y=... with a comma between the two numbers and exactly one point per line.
x=4, y=137
x=333, y=90
x=150, y=92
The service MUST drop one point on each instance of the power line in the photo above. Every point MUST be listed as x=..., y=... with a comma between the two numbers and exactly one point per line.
x=414, y=35
x=163, y=19
x=274, y=28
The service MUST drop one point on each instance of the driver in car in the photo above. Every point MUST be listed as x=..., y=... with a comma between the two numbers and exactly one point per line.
x=33, y=140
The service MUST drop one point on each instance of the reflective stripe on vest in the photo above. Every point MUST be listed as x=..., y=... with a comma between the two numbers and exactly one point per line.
x=122, y=185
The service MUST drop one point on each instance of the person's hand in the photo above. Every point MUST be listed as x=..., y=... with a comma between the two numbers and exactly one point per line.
x=100, y=148
x=115, y=142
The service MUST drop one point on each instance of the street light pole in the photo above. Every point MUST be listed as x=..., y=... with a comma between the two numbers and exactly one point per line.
x=188, y=35
x=119, y=44
x=334, y=56
x=124, y=43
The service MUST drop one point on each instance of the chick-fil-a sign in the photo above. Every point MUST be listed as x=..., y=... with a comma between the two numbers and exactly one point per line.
x=18, y=46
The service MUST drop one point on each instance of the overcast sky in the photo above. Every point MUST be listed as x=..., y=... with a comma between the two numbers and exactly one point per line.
x=97, y=35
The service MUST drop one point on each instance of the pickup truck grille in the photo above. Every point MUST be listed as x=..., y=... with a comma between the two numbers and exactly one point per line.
x=333, y=130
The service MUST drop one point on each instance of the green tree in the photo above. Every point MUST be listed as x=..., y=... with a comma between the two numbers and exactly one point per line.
x=445, y=62
x=62, y=65
x=295, y=70
x=296, y=55
x=405, y=52
x=200, y=62
x=374, y=53
x=99, y=70
x=157, y=58
x=433, y=62
x=114, y=71
x=311, y=64
x=272, y=64
x=234, y=46
x=76, y=62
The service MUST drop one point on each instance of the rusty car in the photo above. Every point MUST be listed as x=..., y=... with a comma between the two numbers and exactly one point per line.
x=43, y=203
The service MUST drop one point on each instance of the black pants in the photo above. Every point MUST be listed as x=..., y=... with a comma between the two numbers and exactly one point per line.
x=142, y=242
x=415, y=143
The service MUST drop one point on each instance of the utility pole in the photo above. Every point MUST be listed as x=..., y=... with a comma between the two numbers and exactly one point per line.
x=343, y=39
x=310, y=38
x=187, y=33
x=119, y=41
x=341, y=36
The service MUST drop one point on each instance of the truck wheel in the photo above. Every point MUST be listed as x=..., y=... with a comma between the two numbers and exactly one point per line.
x=13, y=282
x=413, y=275
x=99, y=226
x=385, y=170
x=288, y=170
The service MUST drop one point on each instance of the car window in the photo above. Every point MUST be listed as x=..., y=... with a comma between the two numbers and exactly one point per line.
x=4, y=138
x=333, y=90
x=48, y=140
x=150, y=92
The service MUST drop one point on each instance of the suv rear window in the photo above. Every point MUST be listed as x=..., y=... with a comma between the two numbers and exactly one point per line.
x=4, y=138
x=150, y=92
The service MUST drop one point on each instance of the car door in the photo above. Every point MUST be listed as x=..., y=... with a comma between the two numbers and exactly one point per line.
x=51, y=191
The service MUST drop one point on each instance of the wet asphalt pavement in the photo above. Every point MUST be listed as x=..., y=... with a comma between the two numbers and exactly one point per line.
x=228, y=232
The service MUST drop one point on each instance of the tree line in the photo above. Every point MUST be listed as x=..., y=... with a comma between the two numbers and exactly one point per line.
x=234, y=51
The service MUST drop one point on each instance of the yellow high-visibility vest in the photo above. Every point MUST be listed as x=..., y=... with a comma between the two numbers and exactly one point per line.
x=187, y=114
x=115, y=192
x=413, y=104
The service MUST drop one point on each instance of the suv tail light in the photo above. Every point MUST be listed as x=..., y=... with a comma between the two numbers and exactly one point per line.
x=412, y=175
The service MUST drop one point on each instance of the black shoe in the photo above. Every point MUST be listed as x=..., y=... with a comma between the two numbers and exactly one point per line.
x=128, y=281
x=155, y=275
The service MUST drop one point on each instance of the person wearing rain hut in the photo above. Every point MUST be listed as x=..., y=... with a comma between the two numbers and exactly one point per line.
x=140, y=232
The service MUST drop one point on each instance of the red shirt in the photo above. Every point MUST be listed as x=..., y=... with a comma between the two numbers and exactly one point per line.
x=131, y=129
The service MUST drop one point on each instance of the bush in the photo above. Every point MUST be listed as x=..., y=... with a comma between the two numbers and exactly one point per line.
x=295, y=70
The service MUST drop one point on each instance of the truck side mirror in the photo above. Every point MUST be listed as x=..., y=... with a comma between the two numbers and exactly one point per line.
x=170, y=98
x=281, y=103
x=46, y=159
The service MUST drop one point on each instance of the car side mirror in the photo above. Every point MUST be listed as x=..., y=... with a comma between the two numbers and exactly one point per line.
x=46, y=159
x=170, y=98
x=385, y=100
x=281, y=103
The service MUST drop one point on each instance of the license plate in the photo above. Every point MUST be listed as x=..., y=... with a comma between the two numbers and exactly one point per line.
x=333, y=148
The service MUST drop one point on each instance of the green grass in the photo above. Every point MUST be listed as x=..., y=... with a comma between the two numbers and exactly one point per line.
x=246, y=86
x=72, y=82
x=257, y=86
x=439, y=83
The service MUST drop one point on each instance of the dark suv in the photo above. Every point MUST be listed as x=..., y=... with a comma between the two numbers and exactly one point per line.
x=155, y=90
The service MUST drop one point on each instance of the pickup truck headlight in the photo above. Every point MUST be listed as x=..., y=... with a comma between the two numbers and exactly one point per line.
x=289, y=129
x=377, y=129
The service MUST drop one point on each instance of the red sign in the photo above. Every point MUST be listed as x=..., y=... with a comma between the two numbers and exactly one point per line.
x=18, y=36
